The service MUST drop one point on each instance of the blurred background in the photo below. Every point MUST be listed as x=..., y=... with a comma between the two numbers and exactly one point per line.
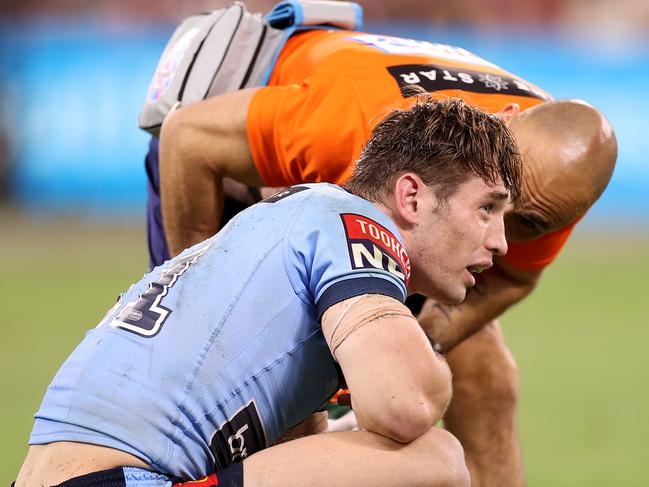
x=73, y=75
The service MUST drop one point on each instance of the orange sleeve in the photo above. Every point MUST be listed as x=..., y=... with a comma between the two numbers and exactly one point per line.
x=311, y=132
x=536, y=254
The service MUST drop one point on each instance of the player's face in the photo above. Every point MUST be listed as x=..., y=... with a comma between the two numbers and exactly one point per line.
x=460, y=240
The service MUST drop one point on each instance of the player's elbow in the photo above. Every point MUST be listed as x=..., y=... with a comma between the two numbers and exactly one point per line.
x=410, y=424
x=403, y=423
x=405, y=418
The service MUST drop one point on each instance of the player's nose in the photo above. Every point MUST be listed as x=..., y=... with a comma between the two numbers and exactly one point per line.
x=496, y=242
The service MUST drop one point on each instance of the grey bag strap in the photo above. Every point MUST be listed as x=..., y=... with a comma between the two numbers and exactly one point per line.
x=230, y=49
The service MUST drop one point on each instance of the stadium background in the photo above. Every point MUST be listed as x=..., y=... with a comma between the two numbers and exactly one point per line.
x=72, y=185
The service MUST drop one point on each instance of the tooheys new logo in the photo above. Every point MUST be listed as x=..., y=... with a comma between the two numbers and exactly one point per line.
x=372, y=245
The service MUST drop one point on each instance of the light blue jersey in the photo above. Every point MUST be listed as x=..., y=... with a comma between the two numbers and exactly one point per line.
x=214, y=354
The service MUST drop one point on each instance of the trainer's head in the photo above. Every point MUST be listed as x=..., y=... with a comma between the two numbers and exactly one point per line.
x=443, y=171
x=569, y=151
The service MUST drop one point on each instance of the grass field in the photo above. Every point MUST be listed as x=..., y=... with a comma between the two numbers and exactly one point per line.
x=580, y=341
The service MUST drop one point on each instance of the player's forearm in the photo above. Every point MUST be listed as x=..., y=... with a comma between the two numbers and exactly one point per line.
x=410, y=382
x=494, y=294
x=407, y=410
x=191, y=192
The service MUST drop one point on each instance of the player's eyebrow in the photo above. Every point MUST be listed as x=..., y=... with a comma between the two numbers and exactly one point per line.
x=499, y=195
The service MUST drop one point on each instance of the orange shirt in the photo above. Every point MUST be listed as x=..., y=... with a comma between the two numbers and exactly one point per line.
x=330, y=88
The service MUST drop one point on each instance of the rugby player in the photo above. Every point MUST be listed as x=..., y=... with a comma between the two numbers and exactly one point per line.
x=327, y=91
x=203, y=364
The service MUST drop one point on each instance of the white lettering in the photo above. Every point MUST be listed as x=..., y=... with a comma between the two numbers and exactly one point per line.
x=386, y=239
x=521, y=86
x=359, y=251
x=392, y=269
x=465, y=77
x=391, y=244
x=362, y=224
x=448, y=76
x=239, y=451
x=431, y=75
x=410, y=78
x=396, y=247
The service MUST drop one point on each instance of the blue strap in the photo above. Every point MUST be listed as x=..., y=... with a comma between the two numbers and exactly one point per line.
x=290, y=13
x=286, y=14
x=289, y=17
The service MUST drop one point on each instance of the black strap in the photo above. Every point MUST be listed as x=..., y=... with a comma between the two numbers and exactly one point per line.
x=231, y=476
x=105, y=478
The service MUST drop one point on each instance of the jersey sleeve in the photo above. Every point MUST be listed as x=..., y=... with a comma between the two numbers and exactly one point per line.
x=337, y=254
x=538, y=253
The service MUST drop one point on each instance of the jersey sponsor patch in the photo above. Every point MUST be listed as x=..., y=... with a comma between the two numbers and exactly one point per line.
x=371, y=245
x=432, y=77
x=241, y=435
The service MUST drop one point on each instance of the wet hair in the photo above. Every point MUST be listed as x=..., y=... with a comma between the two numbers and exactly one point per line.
x=444, y=142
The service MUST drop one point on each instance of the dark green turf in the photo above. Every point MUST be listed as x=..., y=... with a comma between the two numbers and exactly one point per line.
x=580, y=341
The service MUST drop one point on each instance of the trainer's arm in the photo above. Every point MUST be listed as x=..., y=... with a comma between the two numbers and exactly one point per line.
x=200, y=145
x=399, y=386
x=496, y=290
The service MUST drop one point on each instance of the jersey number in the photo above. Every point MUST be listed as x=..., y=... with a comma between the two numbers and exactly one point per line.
x=145, y=316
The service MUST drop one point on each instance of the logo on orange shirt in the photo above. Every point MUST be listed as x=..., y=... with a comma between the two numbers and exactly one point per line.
x=432, y=77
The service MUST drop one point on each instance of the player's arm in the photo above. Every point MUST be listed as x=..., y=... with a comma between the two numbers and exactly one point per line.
x=200, y=145
x=400, y=387
x=496, y=290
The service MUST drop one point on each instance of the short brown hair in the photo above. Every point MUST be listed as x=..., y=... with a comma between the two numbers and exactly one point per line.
x=444, y=142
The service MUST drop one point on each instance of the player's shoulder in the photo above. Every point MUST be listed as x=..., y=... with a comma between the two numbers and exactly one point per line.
x=317, y=197
x=329, y=207
x=332, y=202
x=336, y=219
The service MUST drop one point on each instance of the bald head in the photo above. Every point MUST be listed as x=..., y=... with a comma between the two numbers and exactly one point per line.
x=569, y=151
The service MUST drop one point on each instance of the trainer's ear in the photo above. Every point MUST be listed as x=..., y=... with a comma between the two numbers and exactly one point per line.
x=508, y=112
x=408, y=191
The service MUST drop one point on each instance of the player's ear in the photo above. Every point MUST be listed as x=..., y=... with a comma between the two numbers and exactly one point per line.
x=508, y=112
x=408, y=191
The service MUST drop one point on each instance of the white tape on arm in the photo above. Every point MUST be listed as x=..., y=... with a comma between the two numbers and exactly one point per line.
x=342, y=319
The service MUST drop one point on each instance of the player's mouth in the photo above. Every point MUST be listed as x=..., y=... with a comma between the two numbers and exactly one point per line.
x=473, y=270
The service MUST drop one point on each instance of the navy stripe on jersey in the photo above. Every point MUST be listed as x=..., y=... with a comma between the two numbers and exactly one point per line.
x=350, y=288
